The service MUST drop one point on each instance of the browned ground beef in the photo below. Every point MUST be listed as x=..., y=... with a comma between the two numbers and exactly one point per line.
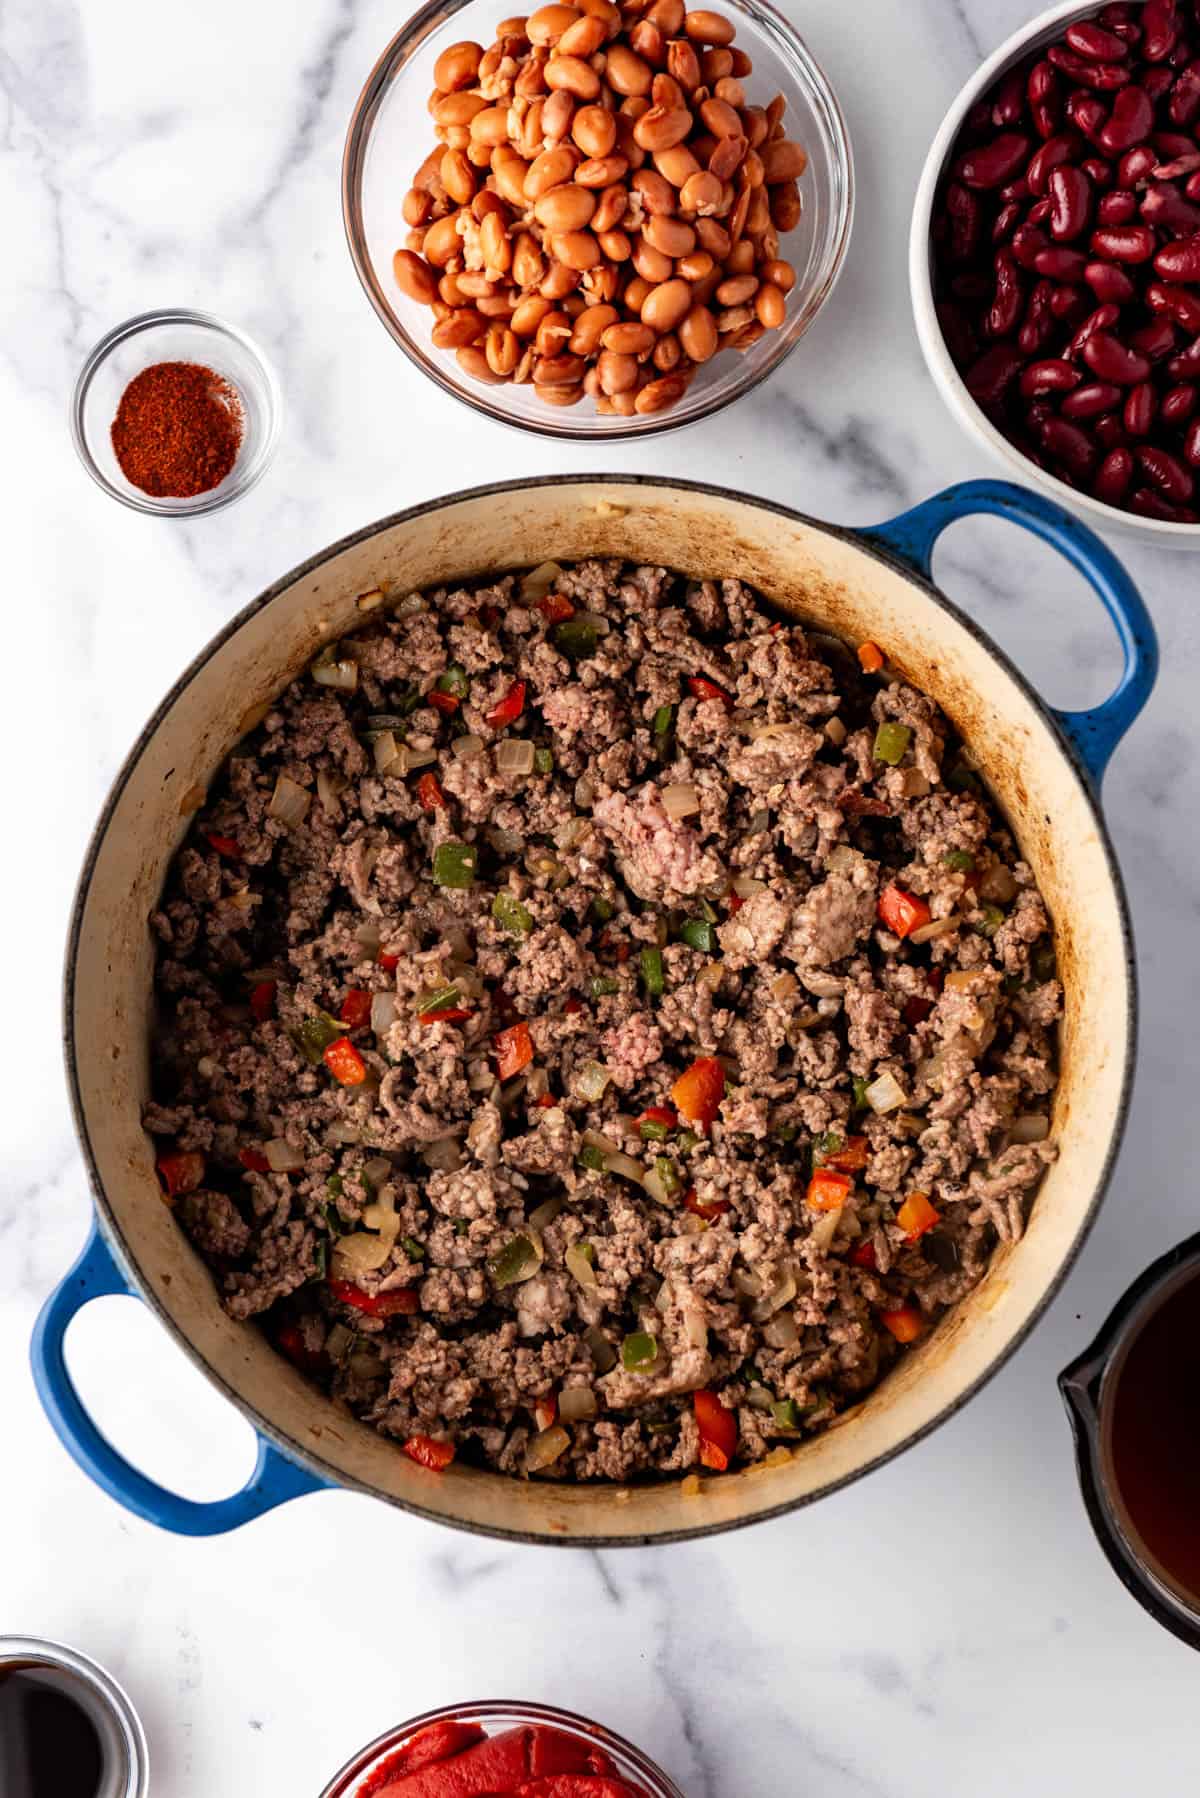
x=799, y=989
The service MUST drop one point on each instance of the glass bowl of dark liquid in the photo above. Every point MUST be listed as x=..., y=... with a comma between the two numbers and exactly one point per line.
x=1134, y=1403
x=67, y=1730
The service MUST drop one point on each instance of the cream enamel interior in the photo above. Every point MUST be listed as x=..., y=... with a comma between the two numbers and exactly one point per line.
x=806, y=570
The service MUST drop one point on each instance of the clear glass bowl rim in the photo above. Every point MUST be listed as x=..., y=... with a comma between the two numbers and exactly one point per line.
x=793, y=49
x=508, y=1711
x=244, y=477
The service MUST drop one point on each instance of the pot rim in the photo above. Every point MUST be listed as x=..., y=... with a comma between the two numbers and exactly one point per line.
x=113, y=1237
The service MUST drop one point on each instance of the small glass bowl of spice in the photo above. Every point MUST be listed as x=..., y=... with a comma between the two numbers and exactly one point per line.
x=175, y=413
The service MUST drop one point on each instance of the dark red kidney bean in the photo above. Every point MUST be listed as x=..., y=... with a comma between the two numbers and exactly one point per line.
x=1015, y=190
x=958, y=333
x=1108, y=358
x=1109, y=432
x=1164, y=207
x=1087, y=113
x=1166, y=472
x=1060, y=264
x=1186, y=366
x=1099, y=320
x=1008, y=300
x=1178, y=404
x=1172, y=143
x=1130, y=122
x=1183, y=103
x=1108, y=282
x=978, y=121
x=1037, y=327
x=1157, y=83
x=1157, y=340
x=1050, y=376
x=1091, y=399
x=1136, y=165
x=1098, y=172
x=1192, y=190
x=1093, y=41
x=1027, y=244
x=1152, y=504
x=1068, y=303
x=1182, y=165
x=1009, y=101
x=1121, y=20
x=1070, y=194
x=1116, y=208
x=1176, y=302
x=1181, y=55
x=1179, y=261
x=1103, y=75
x=1160, y=29
x=1068, y=444
x=1038, y=212
x=1191, y=443
x=1038, y=413
x=1125, y=243
x=1007, y=220
x=1113, y=477
x=990, y=377
x=1141, y=403
x=1064, y=146
x=974, y=285
x=965, y=212
x=991, y=165
x=1045, y=98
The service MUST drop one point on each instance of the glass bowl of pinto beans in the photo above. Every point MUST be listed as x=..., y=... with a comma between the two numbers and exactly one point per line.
x=1054, y=261
x=596, y=221
x=532, y=1750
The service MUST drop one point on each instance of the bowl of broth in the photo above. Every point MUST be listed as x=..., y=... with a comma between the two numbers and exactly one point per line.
x=1133, y=1398
x=67, y=1730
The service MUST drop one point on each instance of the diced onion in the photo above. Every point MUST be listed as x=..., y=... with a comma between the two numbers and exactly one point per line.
x=626, y=1166
x=575, y=1402
x=283, y=1156
x=711, y=975
x=504, y=842
x=939, y=927
x=338, y=1341
x=594, y=1139
x=596, y=620
x=778, y=732
x=444, y=1156
x=467, y=748
x=343, y=1131
x=361, y=1253
x=388, y=752
x=383, y=1012
x=886, y=1094
x=784, y=986
x=328, y=673
x=410, y=605
x=585, y=793
x=539, y=581
x=537, y=1084
x=418, y=758
x=749, y=1285
x=604, y=1355
x=1031, y=1126
x=370, y=600
x=842, y=856
x=514, y=756
x=745, y=886
x=759, y=1398
x=998, y=884
x=591, y=1081
x=825, y=986
x=376, y=1171
x=289, y=802
x=913, y=784
x=680, y=799
x=369, y=938
x=330, y=787
x=546, y=1213
x=835, y=730
x=579, y=1267
x=781, y=1294
x=653, y=1185
x=546, y=1448
x=825, y=1228
x=961, y=980
x=782, y=1331
x=759, y=821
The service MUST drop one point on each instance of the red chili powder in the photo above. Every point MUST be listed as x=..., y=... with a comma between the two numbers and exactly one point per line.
x=178, y=429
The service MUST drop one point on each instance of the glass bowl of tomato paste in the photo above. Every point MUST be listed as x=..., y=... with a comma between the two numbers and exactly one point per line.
x=502, y=1748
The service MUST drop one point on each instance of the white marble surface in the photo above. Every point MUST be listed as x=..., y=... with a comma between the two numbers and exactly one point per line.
x=948, y=1625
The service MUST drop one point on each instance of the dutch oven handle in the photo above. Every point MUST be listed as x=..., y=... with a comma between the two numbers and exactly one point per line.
x=275, y=1479
x=1096, y=732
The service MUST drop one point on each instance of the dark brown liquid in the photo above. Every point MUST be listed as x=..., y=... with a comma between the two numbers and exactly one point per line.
x=1155, y=1435
x=49, y=1745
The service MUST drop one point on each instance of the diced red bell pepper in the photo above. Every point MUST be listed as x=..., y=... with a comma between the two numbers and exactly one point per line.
x=427, y=1451
x=862, y=805
x=828, y=1191
x=437, y=1742
x=181, y=1172
x=698, y=1092
x=345, y=1063
x=863, y=1254
x=510, y=707
x=902, y=912
x=906, y=1324
x=254, y=1160
x=573, y=1005
x=290, y=1340
x=389, y=963
x=555, y=607
x=851, y=1158
x=700, y=687
x=710, y=1213
x=446, y=703
x=448, y=1014
x=224, y=845
x=497, y=1765
x=262, y=1000
x=577, y=1785
x=403, y=1302
x=429, y=794
x=514, y=1050
x=545, y=1411
x=659, y=1114
x=734, y=902
x=870, y=657
x=356, y=1008
x=546, y=1102
x=718, y=1430
x=916, y=1215
x=916, y=1010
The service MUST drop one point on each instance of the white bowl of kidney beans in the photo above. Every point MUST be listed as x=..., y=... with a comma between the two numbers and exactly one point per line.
x=1055, y=260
